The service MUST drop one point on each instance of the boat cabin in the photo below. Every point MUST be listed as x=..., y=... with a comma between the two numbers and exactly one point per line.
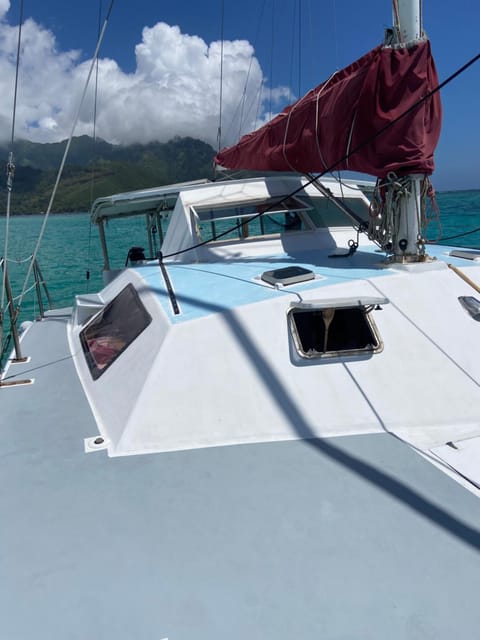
x=242, y=315
x=190, y=222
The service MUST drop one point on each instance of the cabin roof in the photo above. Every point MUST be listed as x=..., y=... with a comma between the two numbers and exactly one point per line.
x=144, y=200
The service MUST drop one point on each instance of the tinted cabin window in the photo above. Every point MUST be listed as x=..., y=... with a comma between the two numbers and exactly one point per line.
x=112, y=330
x=325, y=213
x=279, y=217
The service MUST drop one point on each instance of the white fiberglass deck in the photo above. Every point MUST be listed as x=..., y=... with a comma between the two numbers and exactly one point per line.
x=231, y=354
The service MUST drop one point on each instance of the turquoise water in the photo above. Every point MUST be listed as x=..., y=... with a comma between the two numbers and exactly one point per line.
x=71, y=246
x=69, y=249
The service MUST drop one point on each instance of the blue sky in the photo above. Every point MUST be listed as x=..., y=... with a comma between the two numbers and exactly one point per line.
x=163, y=81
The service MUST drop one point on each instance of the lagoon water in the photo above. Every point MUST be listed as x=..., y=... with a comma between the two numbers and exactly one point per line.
x=71, y=246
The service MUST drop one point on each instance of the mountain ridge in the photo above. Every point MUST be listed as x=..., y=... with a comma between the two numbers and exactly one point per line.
x=95, y=168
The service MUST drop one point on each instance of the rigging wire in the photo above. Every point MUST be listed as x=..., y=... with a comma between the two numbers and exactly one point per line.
x=92, y=178
x=311, y=41
x=292, y=48
x=260, y=96
x=242, y=110
x=11, y=165
x=222, y=35
x=93, y=174
x=244, y=95
x=458, y=235
x=345, y=157
x=335, y=34
x=299, y=47
x=65, y=154
x=272, y=44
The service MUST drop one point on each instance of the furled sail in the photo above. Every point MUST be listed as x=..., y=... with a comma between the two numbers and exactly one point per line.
x=345, y=113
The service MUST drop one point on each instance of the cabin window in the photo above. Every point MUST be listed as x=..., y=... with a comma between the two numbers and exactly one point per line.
x=324, y=213
x=112, y=330
x=282, y=217
x=329, y=331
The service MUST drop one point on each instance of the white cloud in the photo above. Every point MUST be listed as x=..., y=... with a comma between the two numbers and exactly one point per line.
x=174, y=90
x=4, y=7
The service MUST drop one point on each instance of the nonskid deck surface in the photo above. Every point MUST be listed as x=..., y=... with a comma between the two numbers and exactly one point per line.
x=347, y=537
x=342, y=537
x=55, y=397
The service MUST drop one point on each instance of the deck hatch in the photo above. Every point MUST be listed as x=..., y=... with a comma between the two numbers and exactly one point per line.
x=113, y=329
x=288, y=275
x=332, y=328
x=465, y=254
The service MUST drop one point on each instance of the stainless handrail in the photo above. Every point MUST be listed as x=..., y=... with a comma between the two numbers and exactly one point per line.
x=12, y=312
x=15, y=311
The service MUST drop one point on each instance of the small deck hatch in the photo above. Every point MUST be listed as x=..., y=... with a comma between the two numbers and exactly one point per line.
x=288, y=275
x=465, y=254
x=332, y=328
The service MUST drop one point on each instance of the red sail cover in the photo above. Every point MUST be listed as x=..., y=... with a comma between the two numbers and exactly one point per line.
x=345, y=112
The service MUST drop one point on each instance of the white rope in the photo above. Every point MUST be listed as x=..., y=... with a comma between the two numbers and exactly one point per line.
x=430, y=212
x=65, y=154
x=385, y=213
x=31, y=288
x=317, y=137
x=285, y=136
x=19, y=260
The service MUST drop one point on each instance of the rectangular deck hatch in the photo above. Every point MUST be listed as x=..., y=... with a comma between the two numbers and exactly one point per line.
x=334, y=328
x=288, y=275
x=465, y=254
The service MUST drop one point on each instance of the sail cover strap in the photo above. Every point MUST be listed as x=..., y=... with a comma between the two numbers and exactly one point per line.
x=346, y=112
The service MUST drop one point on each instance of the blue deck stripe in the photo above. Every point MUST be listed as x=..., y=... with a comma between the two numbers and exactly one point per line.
x=206, y=288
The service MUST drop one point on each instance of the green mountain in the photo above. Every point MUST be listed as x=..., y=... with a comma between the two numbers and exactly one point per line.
x=97, y=168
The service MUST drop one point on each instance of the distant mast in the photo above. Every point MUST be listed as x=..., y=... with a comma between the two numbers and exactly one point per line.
x=408, y=243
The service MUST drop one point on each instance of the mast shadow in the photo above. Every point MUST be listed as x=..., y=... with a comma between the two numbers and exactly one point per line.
x=382, y=480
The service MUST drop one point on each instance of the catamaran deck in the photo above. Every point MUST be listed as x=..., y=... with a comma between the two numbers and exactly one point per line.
x=356, y=536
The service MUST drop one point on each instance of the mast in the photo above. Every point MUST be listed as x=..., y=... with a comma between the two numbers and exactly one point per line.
x=410, y=26
x=408, y=244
